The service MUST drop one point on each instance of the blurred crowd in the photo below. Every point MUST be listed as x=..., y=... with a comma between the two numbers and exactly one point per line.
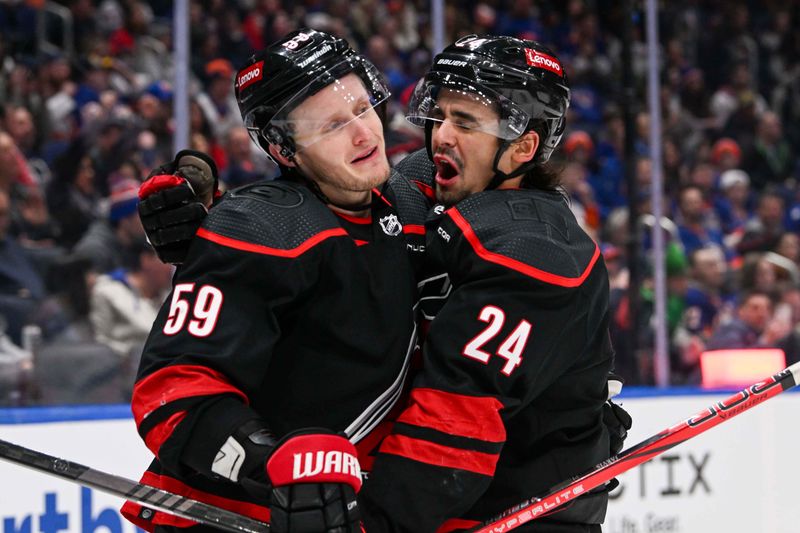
x=86, y=113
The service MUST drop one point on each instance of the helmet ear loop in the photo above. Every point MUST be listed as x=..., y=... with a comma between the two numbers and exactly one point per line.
x=500, y=176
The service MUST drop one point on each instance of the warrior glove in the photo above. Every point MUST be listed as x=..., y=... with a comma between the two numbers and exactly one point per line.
x=174, y=201
x=310, y=478
x=315, y=478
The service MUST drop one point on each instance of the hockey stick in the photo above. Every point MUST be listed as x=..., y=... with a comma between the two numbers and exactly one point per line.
x=645, y=450
x=130, y=490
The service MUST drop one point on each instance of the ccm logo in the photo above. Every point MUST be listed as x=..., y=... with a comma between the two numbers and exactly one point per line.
x=250, y=75
x=538, y=59
x=310, y=464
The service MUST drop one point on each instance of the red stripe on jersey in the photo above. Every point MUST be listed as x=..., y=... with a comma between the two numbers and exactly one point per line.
x=360, y=243
x=519, y=266
x=162, y=431
x=266, y=250
x=424, y=451
x=131, y=510
x=457, y=523
x=426, y=189
x=176, y=382
x=382, y=197
x=416, y=229
x=354, y=220
x=456, y=414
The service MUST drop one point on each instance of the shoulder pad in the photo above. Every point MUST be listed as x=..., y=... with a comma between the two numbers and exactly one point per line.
x=278, y=215
x=533, y=232
x=418, y=168
x=412, y=205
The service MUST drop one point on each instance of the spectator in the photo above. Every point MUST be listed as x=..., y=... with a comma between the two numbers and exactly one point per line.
x=107, y=239
x=694, y=224
x=708, y=295
x=14, y=172
x=125, y=301
x=242, y=167
x=770, y=161
x=732, y=206
x=21, y=285
x=761, y=233
x=20, y=125
x=217, y=101
x=582, y=202
x=71, y=196
x=749, y=328
x=726, y=154
x=788, y=246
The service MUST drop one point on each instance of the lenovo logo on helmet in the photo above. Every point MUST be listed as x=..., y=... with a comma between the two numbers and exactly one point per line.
x=251, y=75
x=540, y=60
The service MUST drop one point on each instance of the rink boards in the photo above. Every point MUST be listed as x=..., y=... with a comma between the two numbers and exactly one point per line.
x=738, y=477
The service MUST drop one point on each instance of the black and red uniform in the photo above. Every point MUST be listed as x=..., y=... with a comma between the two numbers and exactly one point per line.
x=509, y=400
x=286, y=311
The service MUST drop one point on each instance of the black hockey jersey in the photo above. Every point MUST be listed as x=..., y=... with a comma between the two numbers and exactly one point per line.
x=509, y=400
x=286, y=311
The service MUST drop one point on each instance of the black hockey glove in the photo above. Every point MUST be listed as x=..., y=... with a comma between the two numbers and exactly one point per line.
x=616, y=419
x=310, y=479
x=174, y=201
x=617, y=422
x=315, y=477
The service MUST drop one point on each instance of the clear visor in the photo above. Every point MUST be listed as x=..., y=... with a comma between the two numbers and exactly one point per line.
x=474, y=107
x=348, y=91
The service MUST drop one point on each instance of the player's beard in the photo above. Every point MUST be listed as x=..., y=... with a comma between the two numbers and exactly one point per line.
x=344, y=180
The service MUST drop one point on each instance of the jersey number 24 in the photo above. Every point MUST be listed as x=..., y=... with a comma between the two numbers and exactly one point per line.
x=510, y=349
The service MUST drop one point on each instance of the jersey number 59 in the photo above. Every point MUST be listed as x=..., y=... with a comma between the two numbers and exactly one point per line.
x=510, y=349
x=204, y=313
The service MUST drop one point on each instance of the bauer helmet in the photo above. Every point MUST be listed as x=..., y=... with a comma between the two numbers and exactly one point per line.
x=279, y=78
x=522, y=81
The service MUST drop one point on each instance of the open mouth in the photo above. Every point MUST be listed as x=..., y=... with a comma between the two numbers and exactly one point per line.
x=446, y=169
x=365, y=155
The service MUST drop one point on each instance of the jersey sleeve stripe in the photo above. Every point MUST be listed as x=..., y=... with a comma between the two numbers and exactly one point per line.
x=161, y=432
x=176, y=382
x=131, y=510
x=519, y=266
x=266, y=250
x=456, y=414
x=415, y=229
x=439, y=455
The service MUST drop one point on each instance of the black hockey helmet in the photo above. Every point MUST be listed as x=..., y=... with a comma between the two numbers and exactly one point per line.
x=522, y=81
x=279, y=78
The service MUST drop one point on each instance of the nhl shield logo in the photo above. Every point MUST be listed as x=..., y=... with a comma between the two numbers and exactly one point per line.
x=391, y=226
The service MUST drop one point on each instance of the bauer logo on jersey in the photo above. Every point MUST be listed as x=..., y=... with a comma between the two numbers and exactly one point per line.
x=251, y=75
x=391, y=225
x=311, y=464
x=538, y=59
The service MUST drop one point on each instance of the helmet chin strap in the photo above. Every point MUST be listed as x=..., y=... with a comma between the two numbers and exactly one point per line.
x=499, y=176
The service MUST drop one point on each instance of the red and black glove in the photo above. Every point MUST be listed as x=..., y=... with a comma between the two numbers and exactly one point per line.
x=174, y=201
x=315, y=476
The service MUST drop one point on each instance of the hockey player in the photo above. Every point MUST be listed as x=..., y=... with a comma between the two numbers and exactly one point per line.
x=293, y=309
x=511, y=394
